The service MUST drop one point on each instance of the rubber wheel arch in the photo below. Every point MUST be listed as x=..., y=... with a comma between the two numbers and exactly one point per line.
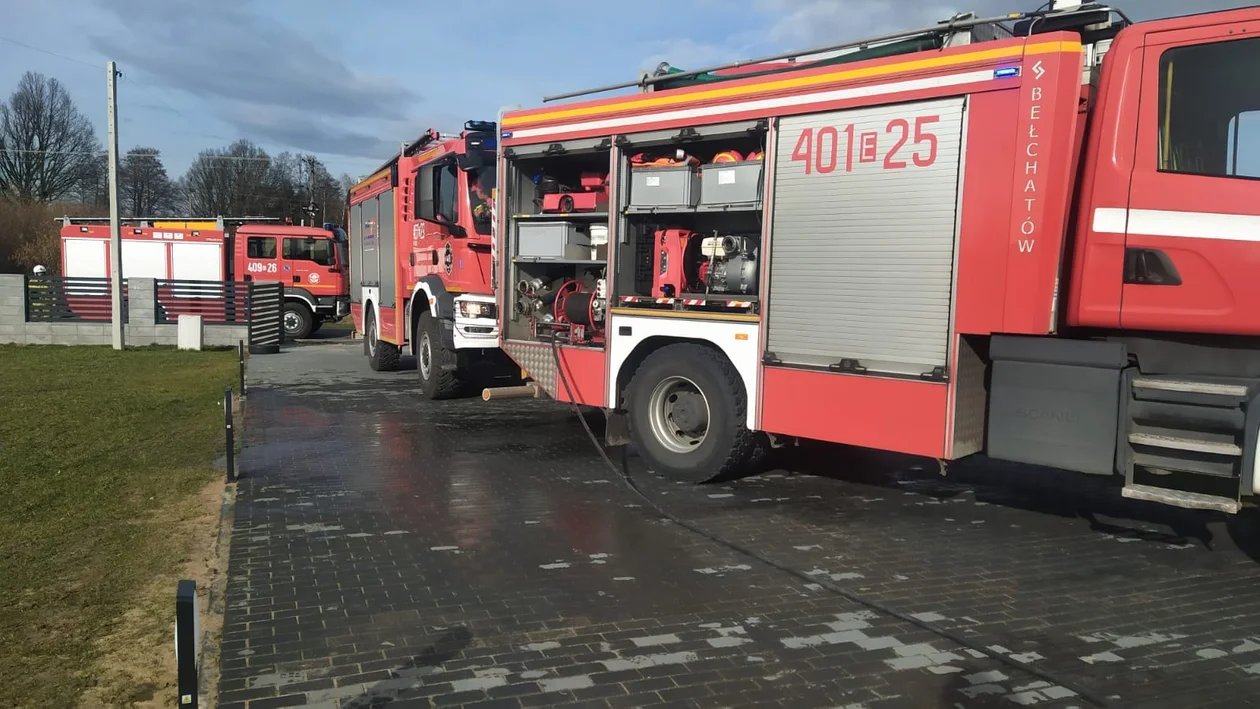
x=729, y=446
x=443, y=383
x=306, y=317
x=386, y=357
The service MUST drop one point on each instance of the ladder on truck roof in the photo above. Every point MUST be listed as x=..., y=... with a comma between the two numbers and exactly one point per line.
x=962, y=29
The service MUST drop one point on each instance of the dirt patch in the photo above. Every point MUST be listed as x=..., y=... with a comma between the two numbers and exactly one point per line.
x=137, y=662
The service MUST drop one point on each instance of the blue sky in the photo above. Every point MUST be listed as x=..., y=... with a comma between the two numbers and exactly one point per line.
x=349, y=80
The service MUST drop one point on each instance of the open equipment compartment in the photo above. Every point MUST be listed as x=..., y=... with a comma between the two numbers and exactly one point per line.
x=557, y=241
x=690, y=229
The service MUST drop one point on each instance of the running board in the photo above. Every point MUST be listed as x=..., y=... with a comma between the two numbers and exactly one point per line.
x=1190, y=387
x=1178, y=498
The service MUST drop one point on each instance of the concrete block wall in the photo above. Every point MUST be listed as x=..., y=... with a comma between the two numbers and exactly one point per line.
x=141, y=328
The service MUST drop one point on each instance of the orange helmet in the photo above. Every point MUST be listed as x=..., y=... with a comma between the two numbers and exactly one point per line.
x=728, y=156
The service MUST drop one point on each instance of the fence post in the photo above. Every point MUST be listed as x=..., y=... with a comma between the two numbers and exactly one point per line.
x=240, y=354
x=187, y=642
x=228, y=433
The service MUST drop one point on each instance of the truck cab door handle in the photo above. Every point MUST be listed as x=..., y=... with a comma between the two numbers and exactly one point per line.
x=297, y=279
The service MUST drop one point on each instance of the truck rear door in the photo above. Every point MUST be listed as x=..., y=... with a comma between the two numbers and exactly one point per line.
x=1192, y=227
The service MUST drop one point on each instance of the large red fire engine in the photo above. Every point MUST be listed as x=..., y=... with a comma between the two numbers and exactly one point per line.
x=420, y=246
x=1031, y=236
x=310, y=261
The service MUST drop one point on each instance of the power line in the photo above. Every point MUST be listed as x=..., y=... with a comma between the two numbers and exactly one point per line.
x=45, y=51
x=244, y=158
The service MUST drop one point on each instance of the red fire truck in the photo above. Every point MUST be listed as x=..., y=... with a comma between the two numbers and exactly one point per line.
x=310, y=261
x=420, y=247
x=1031, y=236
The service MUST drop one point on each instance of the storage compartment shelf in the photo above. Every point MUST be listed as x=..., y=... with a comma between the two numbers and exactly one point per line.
x=692, y=210
x=560, y=261
x=690, y=300
x=562, y=216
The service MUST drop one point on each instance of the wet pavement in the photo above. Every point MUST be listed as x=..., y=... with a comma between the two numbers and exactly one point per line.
x=392, y=552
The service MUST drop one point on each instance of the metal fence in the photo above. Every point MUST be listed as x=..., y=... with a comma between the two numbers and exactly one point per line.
x=217, y=302
x=266, y=305
x=57, y=298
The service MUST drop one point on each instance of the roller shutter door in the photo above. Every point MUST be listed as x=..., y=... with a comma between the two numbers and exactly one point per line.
x=862, y=251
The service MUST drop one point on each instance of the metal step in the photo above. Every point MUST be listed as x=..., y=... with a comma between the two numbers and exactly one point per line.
x=1197, y=463
x=1178, y=498
x=1185, y=444
x=1191, y=387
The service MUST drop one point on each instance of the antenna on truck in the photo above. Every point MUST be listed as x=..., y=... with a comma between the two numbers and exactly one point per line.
x=957, y=23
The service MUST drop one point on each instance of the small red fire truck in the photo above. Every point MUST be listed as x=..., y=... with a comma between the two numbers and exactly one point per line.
x=420, y=259
x=1032, y=236
x=309, y=260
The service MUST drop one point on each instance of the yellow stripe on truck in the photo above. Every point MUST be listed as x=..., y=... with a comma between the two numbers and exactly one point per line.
x=801, y=81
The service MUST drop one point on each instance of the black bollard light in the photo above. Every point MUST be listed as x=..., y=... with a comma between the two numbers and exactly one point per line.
x=240, y=354
x=227, y=432
x=187, y=632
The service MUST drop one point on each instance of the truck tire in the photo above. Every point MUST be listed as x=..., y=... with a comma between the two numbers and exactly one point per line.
x=687, y=411
x=438, y=378
x=382, y=356
x=297, y=321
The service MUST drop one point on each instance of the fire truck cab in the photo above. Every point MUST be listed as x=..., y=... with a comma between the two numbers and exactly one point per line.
x=1031, y=236
x=420, y=244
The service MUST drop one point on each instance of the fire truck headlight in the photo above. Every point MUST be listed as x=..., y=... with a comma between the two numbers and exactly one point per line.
x=472, y=309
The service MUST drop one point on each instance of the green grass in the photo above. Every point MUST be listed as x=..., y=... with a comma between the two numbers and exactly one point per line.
x=95, y=445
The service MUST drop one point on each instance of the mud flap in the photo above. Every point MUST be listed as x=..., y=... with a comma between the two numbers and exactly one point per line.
x=617, y=431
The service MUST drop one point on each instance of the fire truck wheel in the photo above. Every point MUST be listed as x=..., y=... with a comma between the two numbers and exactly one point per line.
x=297, y=321
x=687, y=410
x=438, y=377
x=382, y=356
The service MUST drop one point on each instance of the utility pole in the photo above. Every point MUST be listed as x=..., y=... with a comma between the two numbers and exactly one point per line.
x=310, y=188
x=115, y=228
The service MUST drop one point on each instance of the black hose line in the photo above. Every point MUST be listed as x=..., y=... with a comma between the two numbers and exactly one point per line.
x=623, y=472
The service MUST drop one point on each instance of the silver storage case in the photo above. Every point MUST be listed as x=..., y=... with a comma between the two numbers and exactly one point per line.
x=726, y=184
x=664, y=187
x=556, y=240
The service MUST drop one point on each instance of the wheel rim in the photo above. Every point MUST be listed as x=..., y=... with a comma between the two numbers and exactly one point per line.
x=291, y=321
x=371, y=338
x=679, y=414
x=425, y=359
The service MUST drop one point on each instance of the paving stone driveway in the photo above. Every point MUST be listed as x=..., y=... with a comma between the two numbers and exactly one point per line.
x=391, y=552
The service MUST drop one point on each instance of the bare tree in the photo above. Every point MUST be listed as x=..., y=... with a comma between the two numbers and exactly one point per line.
x=46, y=144
x=229, y=181
x=93, y=186
x=242, y=179
x=144, y=187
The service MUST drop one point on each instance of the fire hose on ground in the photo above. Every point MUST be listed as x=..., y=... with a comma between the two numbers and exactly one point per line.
x=623, y=473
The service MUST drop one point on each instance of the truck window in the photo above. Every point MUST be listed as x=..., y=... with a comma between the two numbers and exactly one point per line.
x=1209, y=109
x=1244, y=145
x=318, y=250
x=260, y=247
x=447, y=190
x=480, y=189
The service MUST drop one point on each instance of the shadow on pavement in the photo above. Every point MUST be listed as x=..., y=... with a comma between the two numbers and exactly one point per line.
x=1025, y=487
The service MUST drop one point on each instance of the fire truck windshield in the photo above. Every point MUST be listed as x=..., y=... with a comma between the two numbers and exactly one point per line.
x=481, y=183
